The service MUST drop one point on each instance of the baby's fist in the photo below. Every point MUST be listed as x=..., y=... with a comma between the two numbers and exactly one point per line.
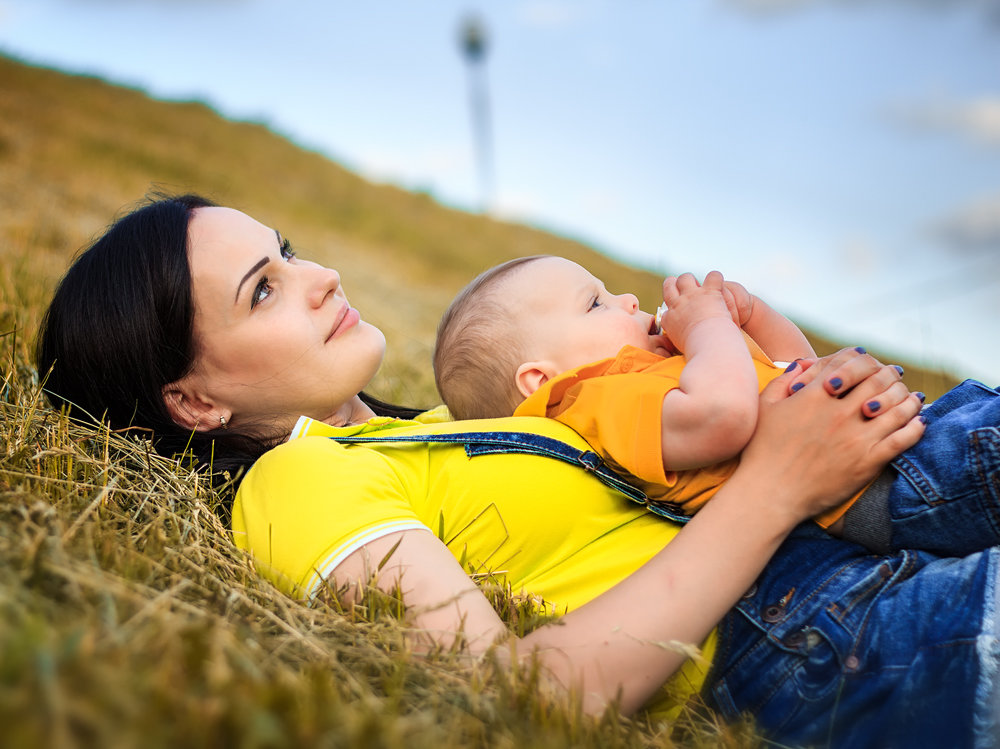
x=739, y=301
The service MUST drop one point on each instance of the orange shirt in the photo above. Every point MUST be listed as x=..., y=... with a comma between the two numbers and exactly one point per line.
x=620, y=417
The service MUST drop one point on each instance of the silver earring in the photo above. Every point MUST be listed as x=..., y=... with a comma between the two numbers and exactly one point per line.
x=222, y=421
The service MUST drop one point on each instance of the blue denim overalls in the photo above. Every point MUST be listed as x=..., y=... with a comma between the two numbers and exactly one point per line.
x=945, y=491
x=832, y=645
x=836, y=647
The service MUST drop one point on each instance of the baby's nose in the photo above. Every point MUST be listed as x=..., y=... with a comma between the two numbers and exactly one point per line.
x=630, y=302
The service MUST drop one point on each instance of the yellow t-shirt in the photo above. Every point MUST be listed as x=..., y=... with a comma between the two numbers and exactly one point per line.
x=547, y=528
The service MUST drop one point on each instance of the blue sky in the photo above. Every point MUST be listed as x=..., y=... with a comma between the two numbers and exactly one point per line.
x=841, y=159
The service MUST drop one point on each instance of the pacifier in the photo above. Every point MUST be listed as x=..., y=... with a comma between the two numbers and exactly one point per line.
x=658, y=317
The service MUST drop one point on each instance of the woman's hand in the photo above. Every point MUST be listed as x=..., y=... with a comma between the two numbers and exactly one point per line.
x=851, y=365
x=818, y=450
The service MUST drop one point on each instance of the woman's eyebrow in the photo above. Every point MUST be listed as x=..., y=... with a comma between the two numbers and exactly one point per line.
x=256, y=267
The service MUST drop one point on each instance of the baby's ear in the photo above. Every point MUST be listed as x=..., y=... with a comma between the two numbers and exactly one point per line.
x=532, y=375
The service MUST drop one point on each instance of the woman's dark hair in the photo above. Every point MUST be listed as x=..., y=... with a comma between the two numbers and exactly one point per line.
x=120, y=328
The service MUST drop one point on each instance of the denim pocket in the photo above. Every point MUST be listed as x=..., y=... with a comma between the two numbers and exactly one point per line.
x=786, y=653
x=958, y=455
x=985, y=449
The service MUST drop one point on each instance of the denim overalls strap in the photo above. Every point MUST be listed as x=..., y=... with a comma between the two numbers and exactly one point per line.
x=500, y=443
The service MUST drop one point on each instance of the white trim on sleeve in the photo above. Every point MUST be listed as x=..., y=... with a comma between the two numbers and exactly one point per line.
x=328, y=565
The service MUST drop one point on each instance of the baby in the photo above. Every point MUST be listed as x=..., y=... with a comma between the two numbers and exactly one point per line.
x=672, y=409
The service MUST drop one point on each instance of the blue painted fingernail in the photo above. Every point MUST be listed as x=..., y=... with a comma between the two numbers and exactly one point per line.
x=797, y=387
x=860, y=349
x=921, y=396
x=898, y=369
x=836, y=382
x=874, y=406
x=791, y=366
x=923, y=419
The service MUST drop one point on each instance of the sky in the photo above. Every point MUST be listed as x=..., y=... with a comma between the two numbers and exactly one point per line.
x=840, y=158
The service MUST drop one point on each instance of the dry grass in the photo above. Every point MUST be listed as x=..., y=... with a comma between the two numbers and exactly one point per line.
x=128, y=617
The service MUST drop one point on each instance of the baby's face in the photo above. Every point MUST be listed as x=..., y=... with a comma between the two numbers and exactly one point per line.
x=570, y=319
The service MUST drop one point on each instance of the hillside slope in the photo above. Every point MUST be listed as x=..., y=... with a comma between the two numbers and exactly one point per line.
x=75, y=150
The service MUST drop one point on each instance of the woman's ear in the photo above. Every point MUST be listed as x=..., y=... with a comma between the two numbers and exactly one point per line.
x=188, y=409
x=532, y=375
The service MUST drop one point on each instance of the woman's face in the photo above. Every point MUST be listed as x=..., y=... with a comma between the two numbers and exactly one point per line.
x=275, y=337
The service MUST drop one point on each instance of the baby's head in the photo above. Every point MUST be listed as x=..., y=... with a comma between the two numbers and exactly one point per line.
x=523, y=322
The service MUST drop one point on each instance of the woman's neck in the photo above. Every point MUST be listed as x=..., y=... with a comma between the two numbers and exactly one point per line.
x=353, y=411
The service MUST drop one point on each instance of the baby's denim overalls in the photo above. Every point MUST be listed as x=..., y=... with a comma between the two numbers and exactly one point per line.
x=944, y=494
x=836, y=647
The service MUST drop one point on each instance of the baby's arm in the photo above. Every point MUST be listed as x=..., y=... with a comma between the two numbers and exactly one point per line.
x=778, y=336
x=711, y=415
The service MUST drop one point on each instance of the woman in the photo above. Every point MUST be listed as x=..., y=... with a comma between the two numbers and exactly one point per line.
x=215, y=331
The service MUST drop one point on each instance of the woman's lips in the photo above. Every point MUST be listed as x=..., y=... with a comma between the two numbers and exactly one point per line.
x=347, y=320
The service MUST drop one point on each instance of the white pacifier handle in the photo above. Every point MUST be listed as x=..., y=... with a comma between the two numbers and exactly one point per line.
x=660, y=312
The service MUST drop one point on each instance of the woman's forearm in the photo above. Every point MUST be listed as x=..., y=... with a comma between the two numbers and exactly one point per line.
x=621, y=644
x=809, y=452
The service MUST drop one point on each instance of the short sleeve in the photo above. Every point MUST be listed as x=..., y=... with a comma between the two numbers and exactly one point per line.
x=621, y=417
x=308, y=504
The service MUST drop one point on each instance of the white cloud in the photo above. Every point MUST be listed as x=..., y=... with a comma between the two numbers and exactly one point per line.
x=601, y=203
x=991, y=7
x=786, y=267
x=975, y=226
x=768, y=6
x=550, y=13
x=861, y=257
x=434, y=165
x=978, y=119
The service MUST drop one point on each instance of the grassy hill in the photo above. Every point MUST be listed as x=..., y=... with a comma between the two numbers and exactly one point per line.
x=75, y=150
x=126, y=616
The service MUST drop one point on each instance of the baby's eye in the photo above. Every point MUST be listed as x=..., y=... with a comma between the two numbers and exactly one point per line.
x=596, y=303
x=262, y=292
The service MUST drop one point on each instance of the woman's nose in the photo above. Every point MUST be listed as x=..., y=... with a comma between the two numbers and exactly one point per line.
x=322, y=282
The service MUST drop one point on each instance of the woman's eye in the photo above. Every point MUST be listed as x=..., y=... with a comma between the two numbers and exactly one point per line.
x=262, y=292
x=286, y=250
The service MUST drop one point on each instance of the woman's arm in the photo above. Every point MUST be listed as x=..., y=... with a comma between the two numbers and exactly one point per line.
x=809, y=452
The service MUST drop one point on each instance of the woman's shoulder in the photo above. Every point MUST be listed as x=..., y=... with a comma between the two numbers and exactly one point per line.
x=435, y=422
x=313, y=479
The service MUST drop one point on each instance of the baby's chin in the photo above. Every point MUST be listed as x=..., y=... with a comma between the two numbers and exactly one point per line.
x=660, y=344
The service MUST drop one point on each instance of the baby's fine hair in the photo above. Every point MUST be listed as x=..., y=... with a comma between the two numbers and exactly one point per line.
x=478, y=348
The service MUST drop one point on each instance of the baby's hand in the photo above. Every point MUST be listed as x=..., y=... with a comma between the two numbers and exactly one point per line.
x=739, y=301
x=689, y=302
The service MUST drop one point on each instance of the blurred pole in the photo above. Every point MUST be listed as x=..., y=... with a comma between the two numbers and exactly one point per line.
x=472, y=38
